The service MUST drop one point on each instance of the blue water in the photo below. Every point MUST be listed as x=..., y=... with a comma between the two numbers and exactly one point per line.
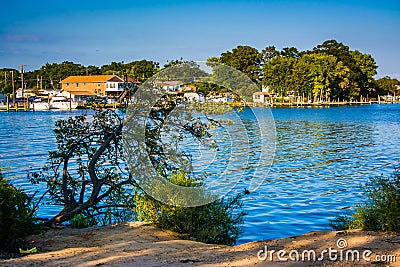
x=322, y=156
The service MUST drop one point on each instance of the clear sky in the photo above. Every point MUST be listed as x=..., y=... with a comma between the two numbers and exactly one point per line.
x=99, y=32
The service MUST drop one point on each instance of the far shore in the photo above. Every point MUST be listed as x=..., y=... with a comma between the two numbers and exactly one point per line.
x=141, y=244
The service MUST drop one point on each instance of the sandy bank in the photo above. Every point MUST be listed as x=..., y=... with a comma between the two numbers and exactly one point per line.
x=139, y=244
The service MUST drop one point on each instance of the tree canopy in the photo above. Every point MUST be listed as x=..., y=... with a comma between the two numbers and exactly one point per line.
x=330, y=70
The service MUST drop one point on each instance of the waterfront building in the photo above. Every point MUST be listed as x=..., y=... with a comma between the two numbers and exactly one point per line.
x=80, y=87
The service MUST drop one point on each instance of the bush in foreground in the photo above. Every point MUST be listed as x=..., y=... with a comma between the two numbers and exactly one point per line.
x=219, y=222
x=16, y=216
x=381, y=209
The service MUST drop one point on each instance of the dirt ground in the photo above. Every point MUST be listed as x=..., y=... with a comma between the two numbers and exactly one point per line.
x=139, y=244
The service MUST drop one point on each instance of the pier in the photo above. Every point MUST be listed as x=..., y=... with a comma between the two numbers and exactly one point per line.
x=313, y=104
x=15, y=106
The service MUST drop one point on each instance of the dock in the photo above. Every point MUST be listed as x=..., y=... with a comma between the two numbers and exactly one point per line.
x=313, y=104
x=15, y=106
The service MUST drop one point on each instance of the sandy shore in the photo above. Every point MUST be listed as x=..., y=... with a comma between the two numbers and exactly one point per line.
x=139, y=244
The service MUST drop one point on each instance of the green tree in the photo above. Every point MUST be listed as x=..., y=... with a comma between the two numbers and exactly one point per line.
x=116, y=68
x=185, y=72
x=312, y=75
x=220, y=220
x=16, y=216
x=387, y=85
x=143, y=69
x=6, y=80
x=174, y=62
x=324, y=71
x=269, y=53
x=278, y=75
x=52, y=74
x=367, y=66
x=228, y=79
x=361, y=68
x=92, y=70
x=291, y=52
x=85, y=174
x=245, y=59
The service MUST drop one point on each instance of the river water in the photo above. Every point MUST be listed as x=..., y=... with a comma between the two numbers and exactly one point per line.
x=322, y=156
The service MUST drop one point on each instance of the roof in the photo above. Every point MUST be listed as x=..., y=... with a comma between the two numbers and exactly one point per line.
x=92, y=79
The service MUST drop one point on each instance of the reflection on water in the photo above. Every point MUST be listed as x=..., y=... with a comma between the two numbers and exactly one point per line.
x=322, y=157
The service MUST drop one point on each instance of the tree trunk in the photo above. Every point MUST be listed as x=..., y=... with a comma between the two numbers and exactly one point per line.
x=69, y=211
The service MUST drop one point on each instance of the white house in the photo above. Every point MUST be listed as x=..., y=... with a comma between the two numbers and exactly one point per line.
x=193, y=97
x=262, y=97
x=170, y=86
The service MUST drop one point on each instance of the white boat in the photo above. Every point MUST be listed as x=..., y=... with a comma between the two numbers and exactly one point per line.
x=38, y=104
x=60, y=102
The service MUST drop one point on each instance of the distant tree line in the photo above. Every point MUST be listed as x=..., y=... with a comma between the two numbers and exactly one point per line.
x=330, y=71
x=327, y=72
x=49, y=75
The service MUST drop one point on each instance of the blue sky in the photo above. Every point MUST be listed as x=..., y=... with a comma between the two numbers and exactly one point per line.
x=98, y=32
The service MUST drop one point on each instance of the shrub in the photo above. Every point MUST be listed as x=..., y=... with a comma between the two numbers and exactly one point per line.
x=81, y=221
x=16, y=216
x=219, y=222
x=381, y=208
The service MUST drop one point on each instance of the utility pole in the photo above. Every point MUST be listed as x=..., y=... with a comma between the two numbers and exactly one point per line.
x=13, y=86
x=21, y=66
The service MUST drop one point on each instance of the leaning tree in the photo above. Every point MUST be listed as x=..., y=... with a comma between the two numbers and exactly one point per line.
x=87, y=174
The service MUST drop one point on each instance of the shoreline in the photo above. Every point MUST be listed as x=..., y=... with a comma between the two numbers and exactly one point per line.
x=248, y=104
x=142, y=244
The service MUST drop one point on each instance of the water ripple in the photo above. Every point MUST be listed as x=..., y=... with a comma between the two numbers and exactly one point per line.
x=322, y=157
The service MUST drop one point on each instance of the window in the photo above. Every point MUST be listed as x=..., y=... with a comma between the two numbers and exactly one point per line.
x=84, y=84
x=67, y=85
x=77, y=85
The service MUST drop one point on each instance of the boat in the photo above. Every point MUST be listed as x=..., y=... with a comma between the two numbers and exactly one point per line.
x=61, y=102
x=38, y=104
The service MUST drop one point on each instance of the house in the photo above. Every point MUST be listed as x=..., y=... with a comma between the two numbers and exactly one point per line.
x=26, y=93
x=193, y=97
x=94, y=85
x=262, y=97
x=221, y=98
x=170, y=86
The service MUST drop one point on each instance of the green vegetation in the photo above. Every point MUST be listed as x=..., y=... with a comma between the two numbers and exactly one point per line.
x=219, y=222
x=87, y=175
x=380, y=210
x=82, y=221
x=330, y=71
x=16, y=216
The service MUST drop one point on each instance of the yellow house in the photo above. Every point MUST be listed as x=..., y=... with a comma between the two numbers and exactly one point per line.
x=94, y=85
